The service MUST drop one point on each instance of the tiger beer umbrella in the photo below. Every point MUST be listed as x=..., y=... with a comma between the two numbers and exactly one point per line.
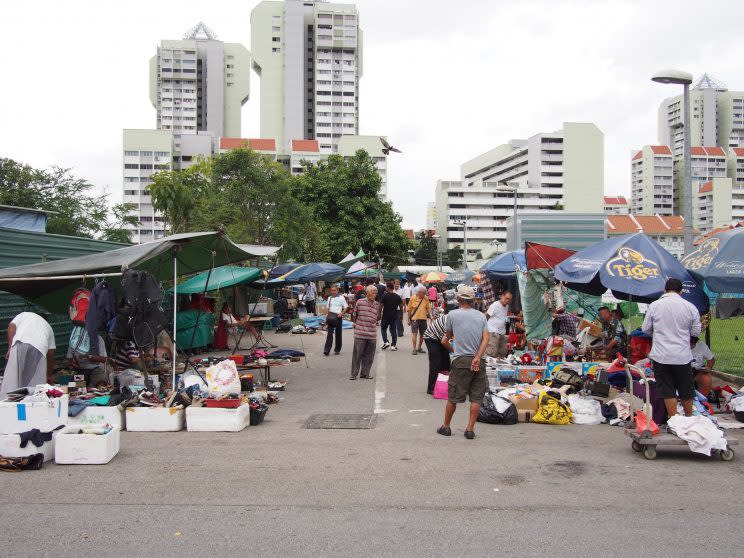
x=634, y=267
x=719, y=261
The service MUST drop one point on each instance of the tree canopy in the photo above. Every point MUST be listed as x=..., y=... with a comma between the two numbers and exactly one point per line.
x=77, y=210
x=343, y=195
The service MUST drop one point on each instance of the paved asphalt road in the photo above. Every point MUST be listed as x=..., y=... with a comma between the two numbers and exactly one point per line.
x=396, y=490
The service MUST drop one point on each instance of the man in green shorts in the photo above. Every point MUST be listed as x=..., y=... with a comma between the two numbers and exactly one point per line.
x=467, y=376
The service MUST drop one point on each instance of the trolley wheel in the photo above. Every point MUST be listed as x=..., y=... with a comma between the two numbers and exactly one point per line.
x=636, y=446
x=649, y=452
x=727, y=454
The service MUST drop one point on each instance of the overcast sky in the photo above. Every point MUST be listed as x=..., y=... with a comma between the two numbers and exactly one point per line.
x=444, y=80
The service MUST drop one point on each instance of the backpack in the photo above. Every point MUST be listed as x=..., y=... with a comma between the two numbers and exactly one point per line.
x=79, y=306
x=140, y=317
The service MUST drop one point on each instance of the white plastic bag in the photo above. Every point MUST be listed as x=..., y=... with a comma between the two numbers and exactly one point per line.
x=585, y=410
x=223, y=379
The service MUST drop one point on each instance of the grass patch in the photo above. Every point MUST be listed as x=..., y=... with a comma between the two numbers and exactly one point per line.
x=727, y=343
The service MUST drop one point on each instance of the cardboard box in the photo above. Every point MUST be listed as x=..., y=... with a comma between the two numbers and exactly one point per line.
x=575, y=366
x=594, y=329
x=154, y=419
x=22, y=417
x=526, y=408
x=86, y=449
x=98, y=416
x=590, y=368
x=10, y=446
x=528, y=374
x=203, y=419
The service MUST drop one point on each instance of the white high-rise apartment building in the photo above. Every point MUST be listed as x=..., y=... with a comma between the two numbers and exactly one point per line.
x=197, y=86
x=554, y=171
x=652, y=181
x=308, y=55
x=717, y=117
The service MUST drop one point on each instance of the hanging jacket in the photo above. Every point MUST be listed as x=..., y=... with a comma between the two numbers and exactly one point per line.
x=101, y=310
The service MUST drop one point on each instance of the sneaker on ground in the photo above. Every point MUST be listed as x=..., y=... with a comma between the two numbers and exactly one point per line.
x=385, y=346
x=393, y=348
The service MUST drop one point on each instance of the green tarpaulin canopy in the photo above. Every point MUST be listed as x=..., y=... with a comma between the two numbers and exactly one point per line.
x=221, y=277
x=51, y=284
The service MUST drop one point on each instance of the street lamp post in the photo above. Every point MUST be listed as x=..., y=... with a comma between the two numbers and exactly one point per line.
x=512, y=187
x=463, y=224
x=439, y=252
x=685, y=79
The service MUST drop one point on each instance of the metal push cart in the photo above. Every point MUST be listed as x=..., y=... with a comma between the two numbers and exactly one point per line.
x=647, y=443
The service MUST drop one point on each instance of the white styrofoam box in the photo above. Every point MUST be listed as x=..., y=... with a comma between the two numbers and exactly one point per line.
x=22, y=417
x=98, y=416
x=258, y=308
x=154, y=419
x=202, y=419
x=85, y=449
x=10, y=446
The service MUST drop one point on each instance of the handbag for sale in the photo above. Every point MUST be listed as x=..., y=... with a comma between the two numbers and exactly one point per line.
x=566, y=376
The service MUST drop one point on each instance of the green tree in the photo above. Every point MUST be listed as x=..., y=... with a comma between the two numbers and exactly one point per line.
x=248, y=193
x=343, y=196
x=175, y=193
x=453, y=257
x=119, y=225
x=426, y=249
x=76, y=212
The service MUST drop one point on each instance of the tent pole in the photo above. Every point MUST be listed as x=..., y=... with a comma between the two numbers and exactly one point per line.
x=175, y=311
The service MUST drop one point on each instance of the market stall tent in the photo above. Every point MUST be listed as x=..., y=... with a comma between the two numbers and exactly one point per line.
x=50, y=284
x=317, y=271
x=219, y=278
x=505, y=265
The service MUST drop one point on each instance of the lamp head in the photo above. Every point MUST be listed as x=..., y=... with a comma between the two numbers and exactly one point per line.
x=672, y=76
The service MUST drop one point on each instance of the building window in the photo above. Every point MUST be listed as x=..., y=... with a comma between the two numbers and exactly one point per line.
x=276, y=39
x=131, y=153
x=276, y=50
x=276, y=29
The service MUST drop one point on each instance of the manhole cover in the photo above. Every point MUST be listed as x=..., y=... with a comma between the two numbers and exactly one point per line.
x=347, y=422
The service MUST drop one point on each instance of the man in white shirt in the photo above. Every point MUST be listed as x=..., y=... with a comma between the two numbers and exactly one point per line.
x=30, y=356
x=672, y=321
x=337, y=307
x=497, y=313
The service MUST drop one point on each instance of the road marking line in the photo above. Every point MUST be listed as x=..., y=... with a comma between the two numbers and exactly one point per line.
x=380, y=384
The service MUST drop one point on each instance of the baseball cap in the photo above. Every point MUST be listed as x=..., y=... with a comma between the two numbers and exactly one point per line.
x=465, y=292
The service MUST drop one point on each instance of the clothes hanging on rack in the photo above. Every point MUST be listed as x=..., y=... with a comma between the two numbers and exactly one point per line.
x=101, y=310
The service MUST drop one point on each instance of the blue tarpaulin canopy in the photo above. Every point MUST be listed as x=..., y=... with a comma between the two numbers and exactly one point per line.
x=505, y=265
x=632, y=266
x=719, y=262
x=221, y=277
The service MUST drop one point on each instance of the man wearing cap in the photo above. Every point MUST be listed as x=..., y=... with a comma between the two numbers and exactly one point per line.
x=467, y=377
x=672, y=321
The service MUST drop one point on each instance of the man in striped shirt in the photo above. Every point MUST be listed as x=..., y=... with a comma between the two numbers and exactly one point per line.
x=366, y=317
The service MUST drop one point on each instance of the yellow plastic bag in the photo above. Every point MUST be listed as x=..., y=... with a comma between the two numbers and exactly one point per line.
x=551, y=411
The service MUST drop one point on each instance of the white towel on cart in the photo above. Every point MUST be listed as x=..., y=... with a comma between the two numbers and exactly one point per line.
x=699, y=432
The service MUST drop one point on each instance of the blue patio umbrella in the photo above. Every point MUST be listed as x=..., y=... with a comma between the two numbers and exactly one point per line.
x=282, y=269
x=633, y=267
x=317, y=271
x=719, y=262
x=504, y=265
